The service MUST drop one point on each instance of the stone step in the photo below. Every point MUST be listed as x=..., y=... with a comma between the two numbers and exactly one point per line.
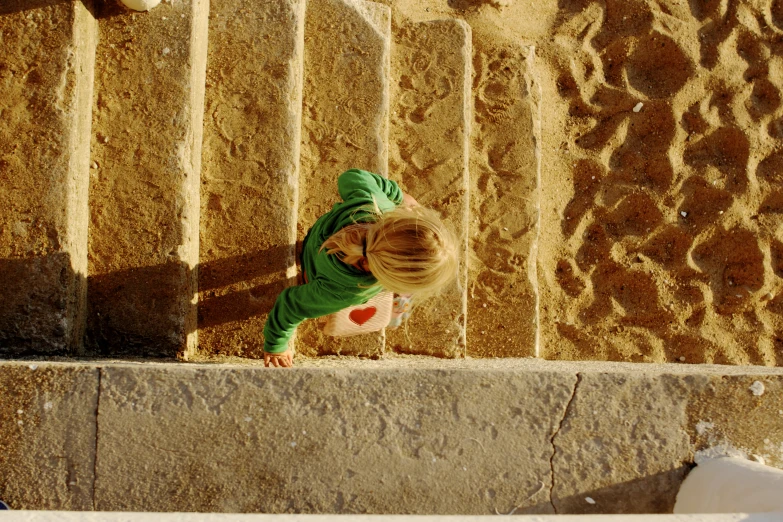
x=250, y=177
x=430, y=137
x=345, y=123
x=504, y=209
x=144, y=187
x=399, y=435
x=46, y=80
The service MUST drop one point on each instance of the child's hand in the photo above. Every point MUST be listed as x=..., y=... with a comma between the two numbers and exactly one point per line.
x=284, y=359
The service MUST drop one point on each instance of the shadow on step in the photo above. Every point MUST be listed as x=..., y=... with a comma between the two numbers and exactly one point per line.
x=41, y=305
x=144, y=311
x=150, y=311
x=654, y=493
x=237, y=288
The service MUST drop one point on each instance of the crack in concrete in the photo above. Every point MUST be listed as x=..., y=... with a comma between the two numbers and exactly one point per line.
x=552, y=441
x=95, y=453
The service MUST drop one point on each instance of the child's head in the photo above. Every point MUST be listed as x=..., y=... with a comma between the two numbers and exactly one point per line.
x=409, y=250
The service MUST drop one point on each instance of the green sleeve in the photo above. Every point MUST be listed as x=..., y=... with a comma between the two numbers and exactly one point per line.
x=294, y=305
x=357, y=183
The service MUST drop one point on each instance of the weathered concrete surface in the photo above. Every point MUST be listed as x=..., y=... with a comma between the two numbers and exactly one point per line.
x=47, y=435
x=144, y=187
x=628, y=440
x=623, y=443
x=326, y=441
x=250, y=181
x=504, y=434
x=345, y=123
x=757, y=433
x=46, y=79
x=502, y=298
x=430, y=140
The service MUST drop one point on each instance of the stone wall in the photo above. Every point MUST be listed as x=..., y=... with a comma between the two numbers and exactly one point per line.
x=405, y=435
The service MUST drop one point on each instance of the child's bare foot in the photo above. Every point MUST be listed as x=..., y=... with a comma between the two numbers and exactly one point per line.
x=279, y=360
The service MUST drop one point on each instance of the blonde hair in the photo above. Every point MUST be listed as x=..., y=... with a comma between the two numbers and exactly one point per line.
x=409, y=250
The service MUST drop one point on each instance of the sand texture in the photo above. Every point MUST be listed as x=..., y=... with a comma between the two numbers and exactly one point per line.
x=144, y=183
x=345, y=124
x=661, y=194
x=251, y=170
x=430, y=131
x=502, y=312
x=613, y=172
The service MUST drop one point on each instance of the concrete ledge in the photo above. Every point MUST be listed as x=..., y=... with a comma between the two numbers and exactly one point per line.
x=446, y=437
x=47, y=435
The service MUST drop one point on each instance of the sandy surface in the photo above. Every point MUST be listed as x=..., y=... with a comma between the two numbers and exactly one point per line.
x=659, y=195
x=624, y=165
x=661, y=186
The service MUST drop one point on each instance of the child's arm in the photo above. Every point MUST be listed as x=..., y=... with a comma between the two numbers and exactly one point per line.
x=355, y=183
x=294, y=305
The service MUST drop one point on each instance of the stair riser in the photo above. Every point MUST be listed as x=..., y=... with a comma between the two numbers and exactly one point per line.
x=345, y=124
x=48, y=67
x=430, y=137
x=144, y=193
x=250, y=180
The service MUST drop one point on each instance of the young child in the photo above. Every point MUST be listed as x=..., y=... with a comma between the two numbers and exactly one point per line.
x=377, y=238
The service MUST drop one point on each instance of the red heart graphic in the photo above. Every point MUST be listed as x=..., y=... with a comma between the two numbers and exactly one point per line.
x=362, y=315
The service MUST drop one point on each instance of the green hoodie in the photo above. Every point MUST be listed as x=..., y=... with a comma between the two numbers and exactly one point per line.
x=333, y=285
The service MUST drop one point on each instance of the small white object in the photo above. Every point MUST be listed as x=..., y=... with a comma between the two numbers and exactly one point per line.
x=731, y=485
x=293, y=444
x=590, y=500
x=758, y=458
x=48, y=405
x=464, y=468
x=682, y=357
x=703, y=427
x=33, y=366
x=684, y=214
x=140, y=5
x=720, y=212
x=20, y=412
x=638, y=107
x=757, y=388
x=166, y=51
x=248, y=419
x=20, y=422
